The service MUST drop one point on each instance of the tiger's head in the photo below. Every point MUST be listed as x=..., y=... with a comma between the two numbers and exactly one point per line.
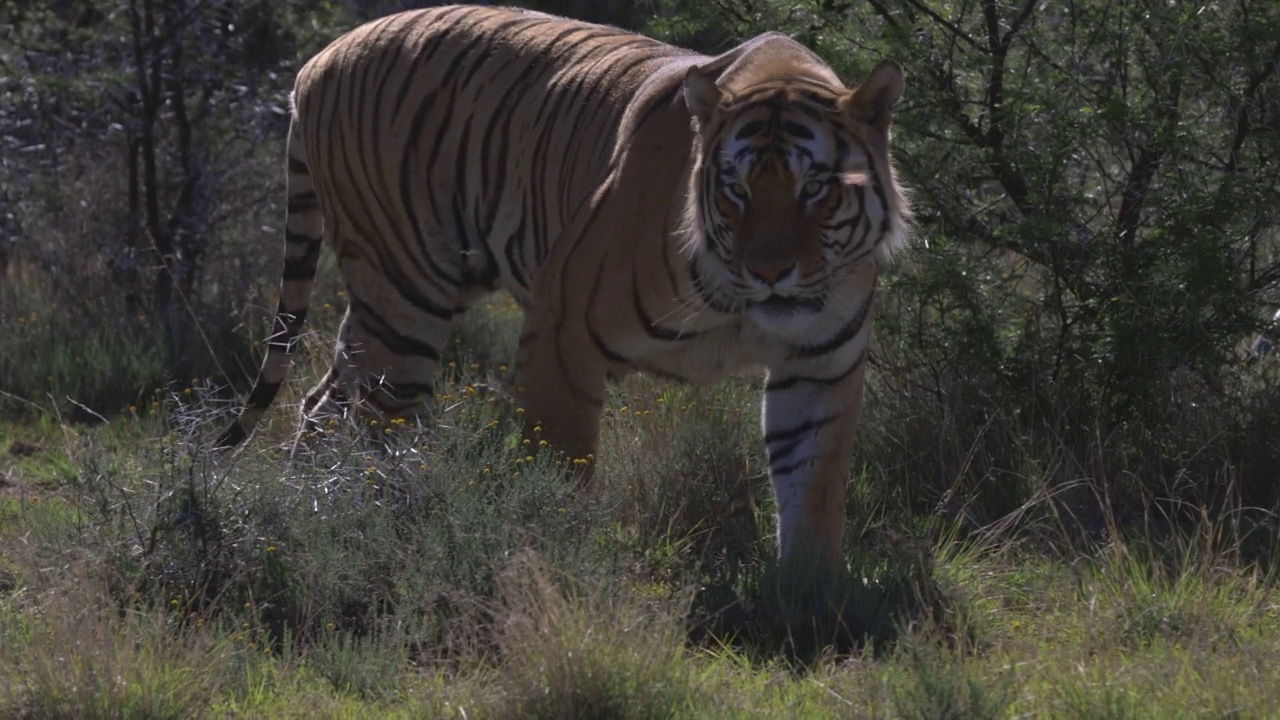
x=792, y=188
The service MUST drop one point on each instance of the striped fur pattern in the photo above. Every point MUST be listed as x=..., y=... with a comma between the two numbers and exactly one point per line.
x=652, y=210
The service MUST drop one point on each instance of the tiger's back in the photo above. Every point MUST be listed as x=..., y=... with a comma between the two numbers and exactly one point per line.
x=468, y=134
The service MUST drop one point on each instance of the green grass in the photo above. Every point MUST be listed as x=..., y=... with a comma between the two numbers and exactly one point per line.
x=452, y=571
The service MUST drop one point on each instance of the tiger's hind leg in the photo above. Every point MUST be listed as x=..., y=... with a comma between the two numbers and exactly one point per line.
x=388, y=348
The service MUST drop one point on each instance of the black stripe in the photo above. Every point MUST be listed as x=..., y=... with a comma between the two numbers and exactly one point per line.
x=499, y=123
x=434, y=270
x=596, y=340
x=750, y=129
x=394, y=272
x=302, y=202
x=843, y=335
x=391, y=338
x=439, y=39
x=825, y=101
x=785, y=469
x=788, y=383
x=604, y=349
x=655, y=106
x=301, y=268
x=774, y=436
x=784, y=451
x=795, y=128
x=297, y=238
x=514, y=267
x=651, y=327
x=704, y=293
x=460, y=190
x=406, y=393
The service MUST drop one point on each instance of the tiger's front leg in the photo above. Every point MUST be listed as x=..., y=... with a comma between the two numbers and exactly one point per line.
x=809, y=423
x=560, y=385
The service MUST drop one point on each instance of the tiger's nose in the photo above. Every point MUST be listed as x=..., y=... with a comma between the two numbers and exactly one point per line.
x=772, y=273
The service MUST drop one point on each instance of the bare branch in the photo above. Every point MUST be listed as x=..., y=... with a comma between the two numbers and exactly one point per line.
x=951, y=27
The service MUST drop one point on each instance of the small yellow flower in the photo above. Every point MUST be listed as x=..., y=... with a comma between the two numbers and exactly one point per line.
x=485, y=471
x=271, y=548
x=542, y=443
x=519, y=410
x=493, y=424
x=502, y=368
x=528, y=458
x=133, y=408
x=525, y=442
x=473, y=366
x=187, y=391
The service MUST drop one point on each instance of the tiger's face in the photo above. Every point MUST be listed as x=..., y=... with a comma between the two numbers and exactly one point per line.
x=792, y=192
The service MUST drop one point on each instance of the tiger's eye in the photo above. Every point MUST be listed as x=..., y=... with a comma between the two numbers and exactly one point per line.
x=737, y=190
x=813, y=189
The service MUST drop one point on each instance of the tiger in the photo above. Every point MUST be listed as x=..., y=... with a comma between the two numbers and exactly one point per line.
x=651, y=209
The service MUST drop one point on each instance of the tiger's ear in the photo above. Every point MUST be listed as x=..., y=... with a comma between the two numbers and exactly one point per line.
x=872, y=102
x=700, y=94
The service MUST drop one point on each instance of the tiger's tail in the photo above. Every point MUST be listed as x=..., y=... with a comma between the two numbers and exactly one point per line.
x=303, y=237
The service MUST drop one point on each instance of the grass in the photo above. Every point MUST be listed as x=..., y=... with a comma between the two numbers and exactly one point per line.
x=451, y=571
